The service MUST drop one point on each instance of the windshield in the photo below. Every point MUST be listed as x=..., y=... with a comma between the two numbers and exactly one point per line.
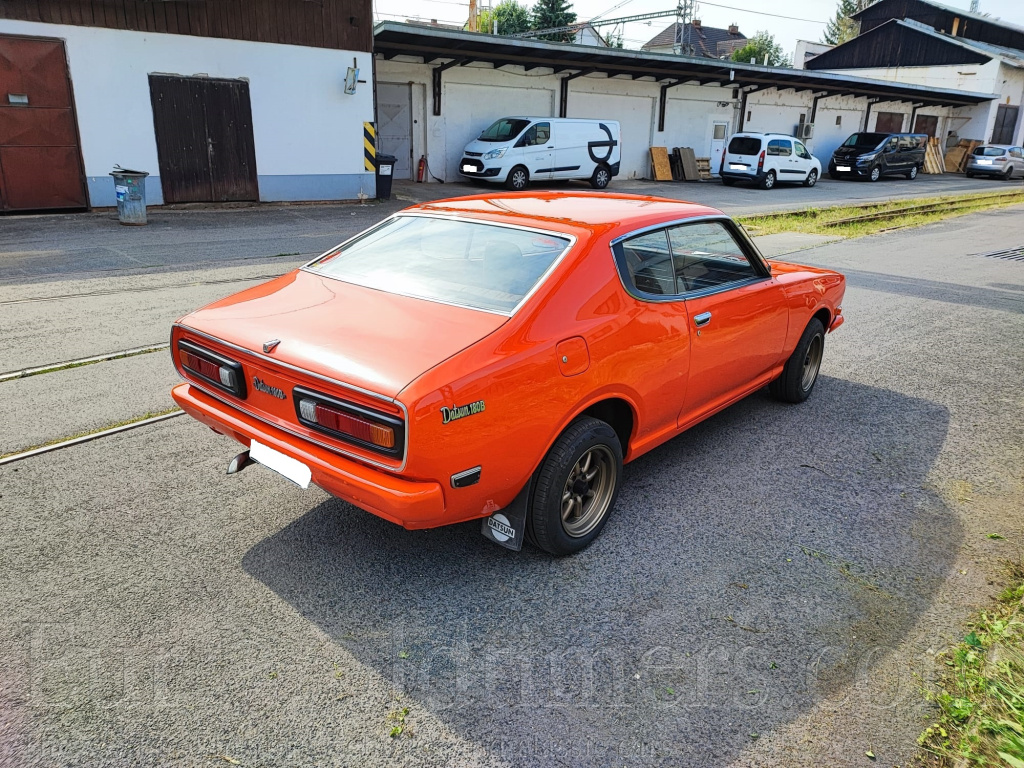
x=472, y=264
x=990, y=152
x=865, y=140
x=505, y=129
x=744, y=145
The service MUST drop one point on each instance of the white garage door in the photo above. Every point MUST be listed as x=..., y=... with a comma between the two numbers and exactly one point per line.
x=468, y=109
x=634, y=114
x=394, y=125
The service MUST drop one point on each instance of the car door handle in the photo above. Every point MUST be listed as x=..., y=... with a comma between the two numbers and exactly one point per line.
x=702, y=319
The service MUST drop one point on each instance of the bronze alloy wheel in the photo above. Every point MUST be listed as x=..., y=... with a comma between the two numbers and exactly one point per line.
x=812, y=362
x=589, y=490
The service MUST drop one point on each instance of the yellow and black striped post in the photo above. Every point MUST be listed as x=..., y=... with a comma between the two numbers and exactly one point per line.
x=369, y=147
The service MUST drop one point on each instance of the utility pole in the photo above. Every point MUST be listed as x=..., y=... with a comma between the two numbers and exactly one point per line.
x=472, y=16
x=684, y=29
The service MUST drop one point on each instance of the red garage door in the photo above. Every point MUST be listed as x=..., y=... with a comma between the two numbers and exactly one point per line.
x=40, y=160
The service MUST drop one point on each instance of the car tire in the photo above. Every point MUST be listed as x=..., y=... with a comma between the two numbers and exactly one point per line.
x=812, y=178
x=768, y=182
x=1007, y=174
x=728, y=182
x=601, y=177
x=575, y=488
x=801, y=370
x=912, y=173
x=969, y=174
x=518, y=179
x=876, y=174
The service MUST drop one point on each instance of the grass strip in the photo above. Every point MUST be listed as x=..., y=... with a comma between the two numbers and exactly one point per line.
x=981, y=695
x=15, y=375
x=91, y=432
x=836, y=220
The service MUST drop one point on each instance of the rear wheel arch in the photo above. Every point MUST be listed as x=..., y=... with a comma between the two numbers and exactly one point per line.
x=618, y=414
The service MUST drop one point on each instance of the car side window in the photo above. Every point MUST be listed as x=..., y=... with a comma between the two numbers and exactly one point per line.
x=780, y=147
x=529, y=138
x=706, y=255
x=1016, y=152
x=892, y=144
x=801, y=151
x=649, y=263
x=543, y=133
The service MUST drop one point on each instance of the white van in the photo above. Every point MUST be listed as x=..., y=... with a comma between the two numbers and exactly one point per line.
x=767, y=159
x=514, y=150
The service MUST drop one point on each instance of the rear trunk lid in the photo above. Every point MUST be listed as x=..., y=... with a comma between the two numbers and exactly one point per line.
x=366, y=338
x=349, y=347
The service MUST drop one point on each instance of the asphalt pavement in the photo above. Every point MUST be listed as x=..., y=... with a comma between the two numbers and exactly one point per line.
x=772, y=589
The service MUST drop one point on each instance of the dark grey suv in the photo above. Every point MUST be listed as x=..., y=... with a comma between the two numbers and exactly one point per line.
x=874, y=155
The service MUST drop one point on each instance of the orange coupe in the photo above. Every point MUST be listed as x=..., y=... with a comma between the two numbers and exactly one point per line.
x=499, y=357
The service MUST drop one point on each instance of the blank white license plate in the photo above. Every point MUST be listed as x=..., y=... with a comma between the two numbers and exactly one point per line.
x=469, y=168
x=984, y=162
x=291, y=468
x=737, y=167
x=843, y=168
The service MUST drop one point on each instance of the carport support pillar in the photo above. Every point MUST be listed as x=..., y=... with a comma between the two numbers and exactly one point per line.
x=563, y=103
x=743, y=107
x=661, y=102
x=814, y=105
x=436, y=76
x=913, y=115
x=867, y=114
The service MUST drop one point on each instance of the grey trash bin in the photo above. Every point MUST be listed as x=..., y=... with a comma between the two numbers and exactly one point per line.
x=130, y=190
x=385, y=172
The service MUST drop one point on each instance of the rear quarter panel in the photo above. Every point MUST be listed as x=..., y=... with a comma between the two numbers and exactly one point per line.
x=528, y=401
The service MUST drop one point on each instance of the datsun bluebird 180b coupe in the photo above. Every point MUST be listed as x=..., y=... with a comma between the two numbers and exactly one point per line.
x=499, y=357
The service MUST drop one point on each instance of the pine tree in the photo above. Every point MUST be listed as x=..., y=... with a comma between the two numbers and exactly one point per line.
x=554, y=13
x=841, y=27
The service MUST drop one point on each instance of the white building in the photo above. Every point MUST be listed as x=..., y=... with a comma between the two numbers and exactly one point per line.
x=215, y=105
x=438, y=89
x=935, y=46
x=807, y=50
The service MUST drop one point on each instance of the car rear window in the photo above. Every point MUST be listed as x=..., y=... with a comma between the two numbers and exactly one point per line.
x=990, y=152
x=471, y=264
x=744, y=145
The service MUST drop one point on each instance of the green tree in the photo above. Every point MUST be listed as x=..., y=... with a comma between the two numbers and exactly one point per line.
x=512, y=18
x=841, y=27
x=760, y=45
x=553, y=13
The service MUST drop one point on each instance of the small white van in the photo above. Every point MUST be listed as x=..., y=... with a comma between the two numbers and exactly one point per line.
x=767, y=159
x=516, y=150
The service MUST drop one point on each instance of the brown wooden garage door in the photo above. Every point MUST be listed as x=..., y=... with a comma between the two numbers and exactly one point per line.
x=40, y=160
x=204, y=139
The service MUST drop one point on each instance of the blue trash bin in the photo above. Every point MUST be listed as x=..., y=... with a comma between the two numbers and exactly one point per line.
x=130, y=190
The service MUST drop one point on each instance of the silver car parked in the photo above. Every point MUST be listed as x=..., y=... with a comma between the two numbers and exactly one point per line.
x=999, y=160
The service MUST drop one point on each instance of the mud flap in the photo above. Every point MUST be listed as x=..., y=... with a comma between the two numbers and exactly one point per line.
x=507, y=527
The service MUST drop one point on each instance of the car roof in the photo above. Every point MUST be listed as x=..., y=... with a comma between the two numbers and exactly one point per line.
x=572, y=212
x=998, y=146
x=769, y=133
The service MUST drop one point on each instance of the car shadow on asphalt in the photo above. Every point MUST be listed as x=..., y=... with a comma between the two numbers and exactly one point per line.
x=766, y=559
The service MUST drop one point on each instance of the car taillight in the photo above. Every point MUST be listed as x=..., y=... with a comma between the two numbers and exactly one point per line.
x=1000, y=159
x=760, y=162
x=207, y=365
x=350, y=422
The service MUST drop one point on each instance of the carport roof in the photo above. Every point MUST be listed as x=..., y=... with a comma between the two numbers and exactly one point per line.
x=434, y=45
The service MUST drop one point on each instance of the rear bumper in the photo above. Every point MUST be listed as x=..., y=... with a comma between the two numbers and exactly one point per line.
x=742, y=176
x=411, y=504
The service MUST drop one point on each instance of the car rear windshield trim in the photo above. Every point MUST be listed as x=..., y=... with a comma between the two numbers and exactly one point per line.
x=454, y=289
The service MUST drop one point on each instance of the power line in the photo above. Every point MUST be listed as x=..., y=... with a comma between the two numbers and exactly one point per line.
x=763, y=13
